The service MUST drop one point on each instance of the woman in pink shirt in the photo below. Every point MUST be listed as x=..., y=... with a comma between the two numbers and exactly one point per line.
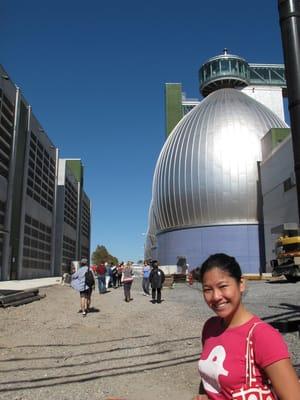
x=222, y=363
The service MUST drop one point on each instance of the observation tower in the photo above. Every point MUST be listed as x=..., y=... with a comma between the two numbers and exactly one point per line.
x=223, y=71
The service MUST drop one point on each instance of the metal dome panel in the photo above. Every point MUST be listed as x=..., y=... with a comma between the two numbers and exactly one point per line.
x=206, y=173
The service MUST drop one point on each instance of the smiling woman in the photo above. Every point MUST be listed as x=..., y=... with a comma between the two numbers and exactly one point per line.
x=223, y=286
x=234, y=330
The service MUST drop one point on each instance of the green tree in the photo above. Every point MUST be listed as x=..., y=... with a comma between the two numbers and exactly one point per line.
x=101, y=255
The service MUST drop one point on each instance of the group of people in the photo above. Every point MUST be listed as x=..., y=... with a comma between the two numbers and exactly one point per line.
x=115, y=276
x=243, y=357
x=122, y=275
x=108, y=275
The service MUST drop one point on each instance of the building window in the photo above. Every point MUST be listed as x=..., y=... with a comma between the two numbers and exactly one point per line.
x=39, y=167
x=36, y=251
x=288, y=184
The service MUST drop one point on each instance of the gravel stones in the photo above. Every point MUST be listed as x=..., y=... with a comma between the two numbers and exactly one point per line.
x=124, y=350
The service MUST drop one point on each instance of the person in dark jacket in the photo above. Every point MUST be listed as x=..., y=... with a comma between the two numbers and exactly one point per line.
x=114, y=272
x=157, y=278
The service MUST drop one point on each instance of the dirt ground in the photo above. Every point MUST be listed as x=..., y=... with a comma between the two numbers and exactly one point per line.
x=133, y=351
x=130, y=350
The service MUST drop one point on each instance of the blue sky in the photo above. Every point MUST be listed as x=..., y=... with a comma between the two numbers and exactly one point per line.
x=94, y=73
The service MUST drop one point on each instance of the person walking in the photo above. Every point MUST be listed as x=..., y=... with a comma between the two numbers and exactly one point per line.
x=146, y=281
x=114, y=272
x=241, y=354
x=120, y=272
x=78, y=282
x=156, y=278
x=101, y=272
x=107, y=275
x=110, y=272
x=127, y=278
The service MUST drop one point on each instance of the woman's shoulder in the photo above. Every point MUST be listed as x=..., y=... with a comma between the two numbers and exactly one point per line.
x=212, y=323
x=262, y=329
x=211, y=327
x=269, y=344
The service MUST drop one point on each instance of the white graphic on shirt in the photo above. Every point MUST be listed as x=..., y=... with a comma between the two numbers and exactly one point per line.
x=211, y=368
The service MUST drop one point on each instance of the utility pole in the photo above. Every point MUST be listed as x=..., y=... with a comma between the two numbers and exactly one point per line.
x=289, y=15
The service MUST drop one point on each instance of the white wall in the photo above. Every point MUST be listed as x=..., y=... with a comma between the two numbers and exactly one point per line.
x=270, y=96
x=279, y=207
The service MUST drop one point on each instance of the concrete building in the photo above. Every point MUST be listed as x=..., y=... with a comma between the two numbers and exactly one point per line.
x=85, y=226
x=278, y=186
x=176, y=105
x=8, y=99
x=28, y=192
x=28, y=189
x=206, y=194
x=67, y=224
x=73, y=215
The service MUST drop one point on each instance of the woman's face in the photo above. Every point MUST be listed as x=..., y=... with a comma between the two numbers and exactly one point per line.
x=222, y=293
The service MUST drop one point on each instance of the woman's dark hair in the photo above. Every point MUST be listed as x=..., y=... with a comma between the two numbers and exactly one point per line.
x=225, y=263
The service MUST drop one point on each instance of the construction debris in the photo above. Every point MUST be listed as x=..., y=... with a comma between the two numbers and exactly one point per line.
x=18, y=297
x=169, y=280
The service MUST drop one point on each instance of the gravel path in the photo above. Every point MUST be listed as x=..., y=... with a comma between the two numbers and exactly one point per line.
x=135, y=350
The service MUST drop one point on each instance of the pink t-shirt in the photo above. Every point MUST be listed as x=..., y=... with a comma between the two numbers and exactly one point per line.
x=222, y=362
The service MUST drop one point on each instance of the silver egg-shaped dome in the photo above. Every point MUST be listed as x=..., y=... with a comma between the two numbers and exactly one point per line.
x=207, y=170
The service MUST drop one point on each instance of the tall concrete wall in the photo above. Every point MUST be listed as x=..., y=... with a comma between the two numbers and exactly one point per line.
x=279, y=193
